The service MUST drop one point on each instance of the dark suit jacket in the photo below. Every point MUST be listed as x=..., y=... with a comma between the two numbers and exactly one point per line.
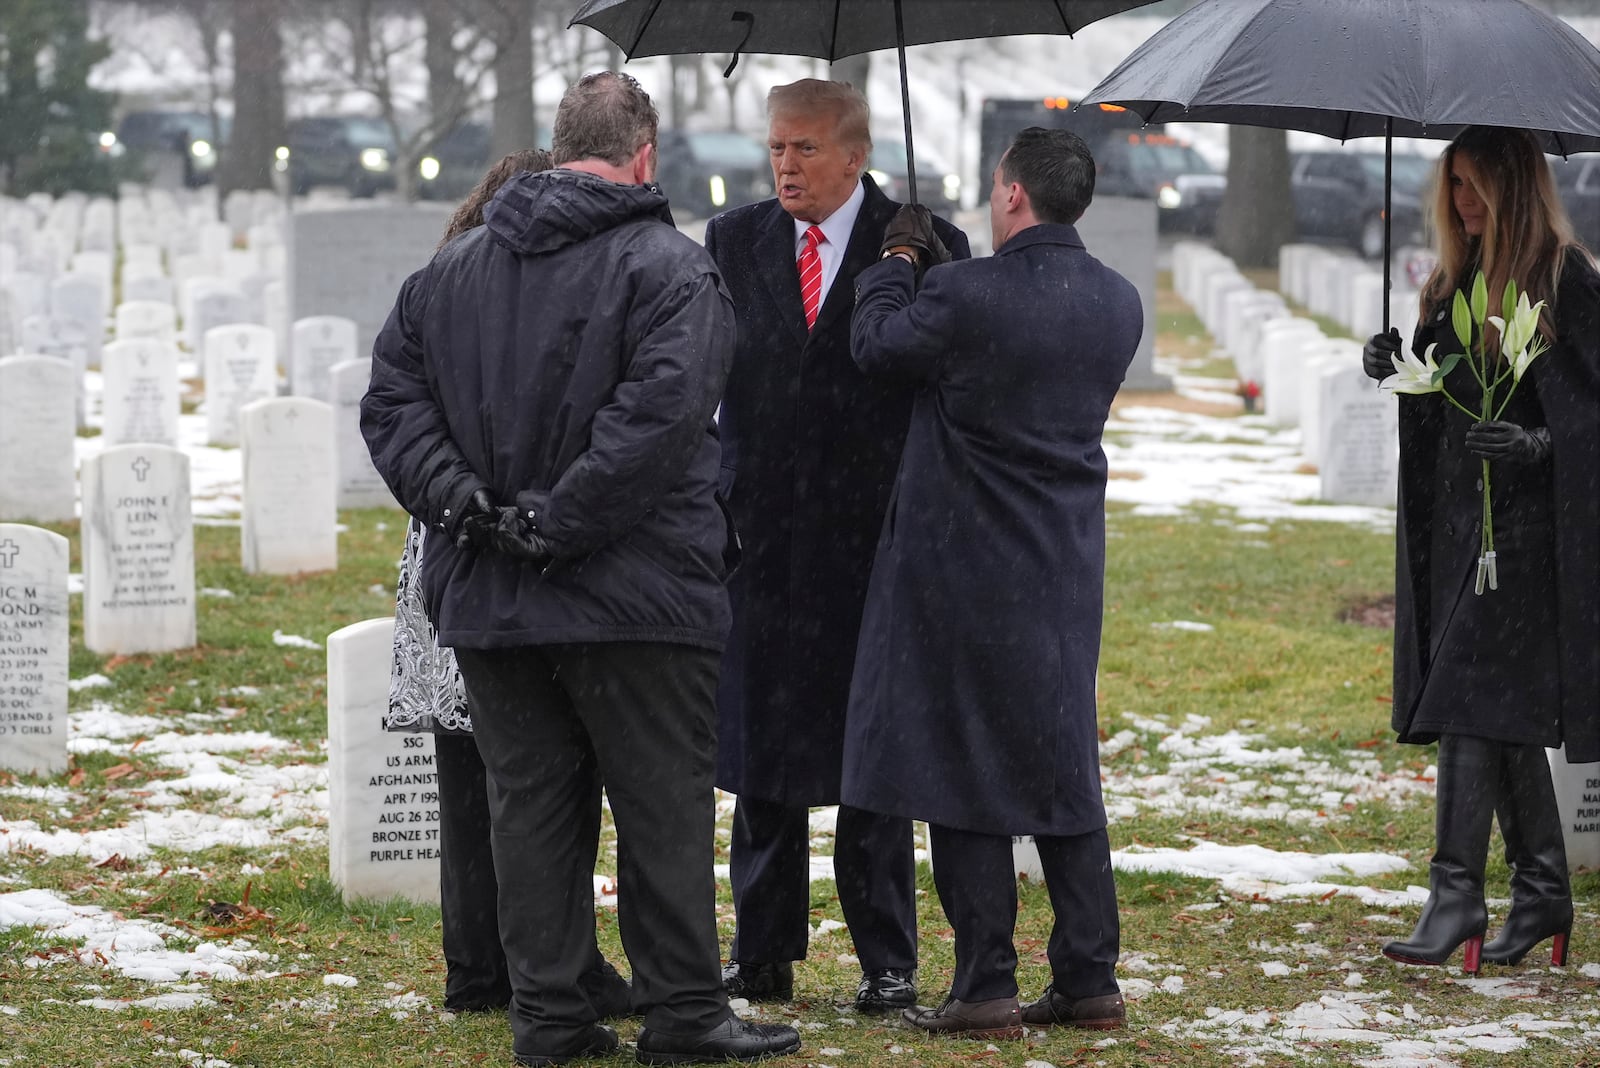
x=809, y=450
x=973, y=701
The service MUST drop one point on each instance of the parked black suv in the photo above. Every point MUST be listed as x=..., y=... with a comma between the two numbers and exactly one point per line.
x=354, y=152
x=1338, y=198
x=1186, y=188
x=937, y=185
x=1578, y=179
x=710, y=171
x=170, y=146
x=455, y=164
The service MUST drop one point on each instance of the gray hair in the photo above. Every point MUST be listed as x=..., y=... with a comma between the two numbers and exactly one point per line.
x=605, y=116
x=812, y=95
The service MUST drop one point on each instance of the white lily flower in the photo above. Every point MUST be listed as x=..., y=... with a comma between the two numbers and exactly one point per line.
x=1412, y=375
x=1520, y=342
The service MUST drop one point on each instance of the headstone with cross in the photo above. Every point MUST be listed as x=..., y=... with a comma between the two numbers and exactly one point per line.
x=288, y=512
x=241, y=368
x=33, y=650
x=147, y=318
x=360, y=485
x=138, y=551
x=38, y=428
x=139, y=399
x=317, y=343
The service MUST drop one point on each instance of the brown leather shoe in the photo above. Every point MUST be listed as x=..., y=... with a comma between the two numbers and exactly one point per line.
x=1104, y=1013
x=998, y=1018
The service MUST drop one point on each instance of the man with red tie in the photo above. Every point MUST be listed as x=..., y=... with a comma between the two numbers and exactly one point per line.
x=810, y=447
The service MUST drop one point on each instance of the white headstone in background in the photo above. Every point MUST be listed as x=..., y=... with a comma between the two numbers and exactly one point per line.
x=147, y=318
x=138, y=551
x=33, y=650
x=316, y=344
x=147, y=287
x=140, y=397
x=360, y=485
x=38, y=425
x=289, y=511
x=240, y=369
x=1360, y=455
x=383, y=790
x=1578, y=800
x=211, y=307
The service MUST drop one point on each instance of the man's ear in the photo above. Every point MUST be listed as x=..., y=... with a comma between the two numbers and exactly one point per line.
x=644, y=164
x=856, y=161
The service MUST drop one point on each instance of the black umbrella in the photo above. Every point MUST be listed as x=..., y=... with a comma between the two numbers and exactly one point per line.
x=1363, y=68
x=830, y=29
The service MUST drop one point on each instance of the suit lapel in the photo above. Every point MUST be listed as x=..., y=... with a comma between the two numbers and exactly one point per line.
x=866, y=241
x=775, y=262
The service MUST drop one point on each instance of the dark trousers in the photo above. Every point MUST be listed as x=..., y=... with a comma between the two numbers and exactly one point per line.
x=977, y=882
x=475, y=965
x=771, y=873
x=554, y=724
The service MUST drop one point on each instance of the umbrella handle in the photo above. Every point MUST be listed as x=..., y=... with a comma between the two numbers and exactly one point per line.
x=905, y=104
x=1388, y=213
x=749, y=21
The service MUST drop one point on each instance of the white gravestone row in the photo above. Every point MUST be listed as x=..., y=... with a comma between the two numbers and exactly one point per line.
x=289, y=520
x=140, y=396
x=37, y=429
x=383, y=789
x=1346, y=289
x=33, y=650
x=360, y=485
x=316, y=343
x=138, y=551
x=240, y=369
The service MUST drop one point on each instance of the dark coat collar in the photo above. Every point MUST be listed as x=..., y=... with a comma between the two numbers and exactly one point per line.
x=1042, y=234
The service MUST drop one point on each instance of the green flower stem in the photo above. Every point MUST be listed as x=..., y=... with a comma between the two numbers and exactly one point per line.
x=1488, y=513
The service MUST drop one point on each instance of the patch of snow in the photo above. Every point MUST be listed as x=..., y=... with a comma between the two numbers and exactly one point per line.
x=89, y=682
x=293, y=641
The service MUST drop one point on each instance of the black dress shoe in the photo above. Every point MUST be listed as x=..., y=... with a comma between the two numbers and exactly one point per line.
x=731, y=1040
x=766, y=981
x=609, y=993
x=600, y=1041
x=890, y=990
x=1104, y=1013
x=997, y=1018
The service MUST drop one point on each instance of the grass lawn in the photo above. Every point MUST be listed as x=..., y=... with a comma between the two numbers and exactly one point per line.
x=1265, y=727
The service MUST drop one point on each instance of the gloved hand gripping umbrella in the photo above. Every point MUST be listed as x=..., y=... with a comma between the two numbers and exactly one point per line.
x=1363, y=68
x=830, y=29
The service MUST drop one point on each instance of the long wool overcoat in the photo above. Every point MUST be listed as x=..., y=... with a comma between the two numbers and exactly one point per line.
x=973, y=702
x=809, y=450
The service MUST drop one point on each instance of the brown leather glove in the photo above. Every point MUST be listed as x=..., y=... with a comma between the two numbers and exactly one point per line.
x=911, y=231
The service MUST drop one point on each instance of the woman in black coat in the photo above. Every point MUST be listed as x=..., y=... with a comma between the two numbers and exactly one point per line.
x=1496, y=677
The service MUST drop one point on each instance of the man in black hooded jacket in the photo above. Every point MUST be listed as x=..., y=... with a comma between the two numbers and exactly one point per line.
x=542, y=394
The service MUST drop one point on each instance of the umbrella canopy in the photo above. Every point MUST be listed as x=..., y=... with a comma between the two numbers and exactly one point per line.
x=830, y=29
x=1364, y=68
x=1360, y=68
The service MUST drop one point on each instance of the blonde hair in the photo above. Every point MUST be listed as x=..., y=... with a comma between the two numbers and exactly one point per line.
x=812, y=95
x=1526, y=233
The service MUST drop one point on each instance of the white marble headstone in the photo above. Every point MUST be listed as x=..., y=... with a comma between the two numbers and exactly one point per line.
x=138, y=551
x=147, y=287
x=1578, y=800
x=383, y=789
x=1360, y=454
x=289, y=511
x=140, y=396
x=147, y=318
x=38, y=425
x=33, y=649
x=214, y=306
x=316, y=344
x=240, y=369
x=360, y=485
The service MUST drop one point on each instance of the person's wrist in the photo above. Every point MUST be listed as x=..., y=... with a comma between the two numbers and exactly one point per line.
x=905, y=252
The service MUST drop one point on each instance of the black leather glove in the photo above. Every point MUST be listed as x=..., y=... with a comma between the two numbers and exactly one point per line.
x=1377, y=355
x=1500, y=440
x=515, y=536
x=911, y=230
x=476, y=522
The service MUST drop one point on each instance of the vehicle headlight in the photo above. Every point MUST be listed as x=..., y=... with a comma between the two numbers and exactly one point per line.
x=719, y=191
x=428, y=168
x=107, y=140
x=952, y=187
x=1169, y=197
x=375, y=159
x=879, y=177
x=200, y=148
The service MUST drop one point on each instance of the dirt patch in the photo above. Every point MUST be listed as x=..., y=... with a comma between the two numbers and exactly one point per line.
x=1377, y=612
x=1177, y=402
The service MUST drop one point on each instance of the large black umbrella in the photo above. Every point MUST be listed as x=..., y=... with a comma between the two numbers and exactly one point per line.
x=830, y=29
x=1362, y=68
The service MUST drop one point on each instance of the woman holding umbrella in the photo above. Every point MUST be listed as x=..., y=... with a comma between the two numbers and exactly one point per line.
x=1495, y=678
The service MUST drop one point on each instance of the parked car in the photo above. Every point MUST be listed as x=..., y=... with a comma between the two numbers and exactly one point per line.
x=170, y=146
x=1186, y=188
x=455, y=164
x=354, y=152
x=705, y=172
x=937, y=185
x=1578, y=179
x=1338, y=198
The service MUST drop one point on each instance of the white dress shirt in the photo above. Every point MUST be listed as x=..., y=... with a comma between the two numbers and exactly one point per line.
x=836, y=228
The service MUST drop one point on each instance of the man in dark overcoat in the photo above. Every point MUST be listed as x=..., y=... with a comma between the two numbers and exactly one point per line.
x=542, y=395
x=809, y=450
x=973, y=702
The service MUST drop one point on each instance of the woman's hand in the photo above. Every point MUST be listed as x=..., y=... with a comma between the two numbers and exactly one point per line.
x=1377, y=356
x=1508, y=442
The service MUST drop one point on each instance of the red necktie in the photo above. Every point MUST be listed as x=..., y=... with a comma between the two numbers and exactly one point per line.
x=811, y=275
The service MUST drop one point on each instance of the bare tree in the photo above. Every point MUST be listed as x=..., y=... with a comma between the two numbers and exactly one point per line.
x=258, y=111
x=1256, y=218
x=513, y=117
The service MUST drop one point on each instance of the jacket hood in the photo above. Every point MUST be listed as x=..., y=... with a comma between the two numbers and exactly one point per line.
x=547, y=210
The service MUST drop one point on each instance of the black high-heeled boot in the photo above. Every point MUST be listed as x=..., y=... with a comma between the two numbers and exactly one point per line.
x=1541, y=896
x=1469, y=779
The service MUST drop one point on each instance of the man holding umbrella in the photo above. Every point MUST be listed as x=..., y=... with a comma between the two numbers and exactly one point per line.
x=973, y=701
x=810, y=446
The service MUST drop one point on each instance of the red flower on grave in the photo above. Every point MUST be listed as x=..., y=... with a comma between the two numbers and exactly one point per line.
x=1249, y=389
